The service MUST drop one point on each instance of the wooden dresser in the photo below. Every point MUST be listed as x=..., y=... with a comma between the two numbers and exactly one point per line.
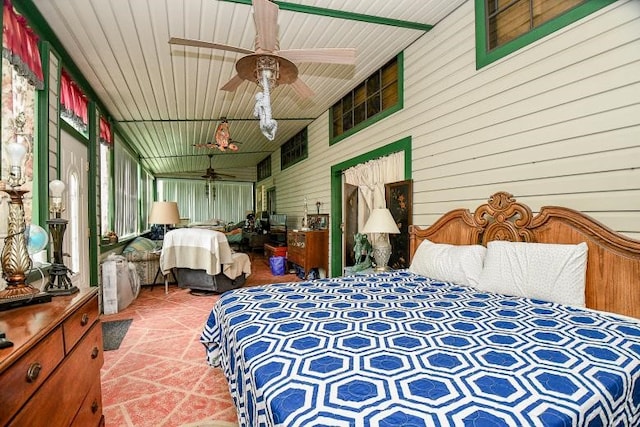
x=309, y=249
x=51, y=375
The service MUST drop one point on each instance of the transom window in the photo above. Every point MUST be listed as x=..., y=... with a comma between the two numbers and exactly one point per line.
x=508, y=19
x=294, y=150
x=264, y=168
x=379, y=93
x=504, y=26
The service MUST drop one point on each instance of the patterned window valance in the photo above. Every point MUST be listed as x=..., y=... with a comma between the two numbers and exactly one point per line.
x=73, y=103
x=105, y=132
x=20, y=46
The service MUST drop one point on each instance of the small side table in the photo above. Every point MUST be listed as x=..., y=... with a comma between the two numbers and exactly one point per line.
x=156, y=254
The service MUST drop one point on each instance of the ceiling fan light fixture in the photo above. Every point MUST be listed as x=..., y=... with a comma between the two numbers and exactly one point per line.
x=267, y=67
x=223, y=135
x=267, y=70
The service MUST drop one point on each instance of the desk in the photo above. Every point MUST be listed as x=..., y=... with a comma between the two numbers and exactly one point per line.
x=252, y=240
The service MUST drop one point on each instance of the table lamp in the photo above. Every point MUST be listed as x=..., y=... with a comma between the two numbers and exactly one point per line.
x=381, y=222
x=164, y=213
x=59, y=281
x=16, y=262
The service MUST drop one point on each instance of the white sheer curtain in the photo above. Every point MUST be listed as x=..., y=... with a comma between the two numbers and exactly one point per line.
x=229, y=201
x=370, y=178
x=126, y=190
x=146, y=198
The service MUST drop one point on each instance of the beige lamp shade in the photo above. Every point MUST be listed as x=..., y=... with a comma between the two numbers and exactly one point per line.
x=381, y=221
x=164, y=213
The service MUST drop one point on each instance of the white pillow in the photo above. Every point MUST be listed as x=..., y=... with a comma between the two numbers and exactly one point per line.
x=460, y=264
x=550, y=272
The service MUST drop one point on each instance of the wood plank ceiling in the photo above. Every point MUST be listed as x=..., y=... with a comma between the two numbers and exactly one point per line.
x=166, y=98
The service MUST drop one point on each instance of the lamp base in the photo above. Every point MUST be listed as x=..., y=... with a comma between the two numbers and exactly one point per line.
x=381, y=253
x=27, y=299
x=64, y=287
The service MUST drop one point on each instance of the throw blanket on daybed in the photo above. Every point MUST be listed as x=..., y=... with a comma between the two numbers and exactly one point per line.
x=400, y=349
x=197, y=249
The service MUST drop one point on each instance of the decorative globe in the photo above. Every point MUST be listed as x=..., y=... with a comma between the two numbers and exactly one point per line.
x=37, y=238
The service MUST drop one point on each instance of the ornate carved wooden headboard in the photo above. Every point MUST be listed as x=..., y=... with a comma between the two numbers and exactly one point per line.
x=613, y=263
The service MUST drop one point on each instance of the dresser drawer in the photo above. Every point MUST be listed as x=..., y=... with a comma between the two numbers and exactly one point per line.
x=58, y=401
x=29, y=372
x=79, y=323
x=296, y=255
x=90, y=412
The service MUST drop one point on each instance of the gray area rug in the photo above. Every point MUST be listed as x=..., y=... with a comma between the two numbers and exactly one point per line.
x=113, y=333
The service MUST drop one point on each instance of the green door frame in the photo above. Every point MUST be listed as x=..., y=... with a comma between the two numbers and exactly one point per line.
x=403, y=145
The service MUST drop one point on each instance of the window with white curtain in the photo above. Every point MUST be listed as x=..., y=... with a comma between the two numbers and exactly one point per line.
x=126, y=190
x=146, y=198
x=225, y=200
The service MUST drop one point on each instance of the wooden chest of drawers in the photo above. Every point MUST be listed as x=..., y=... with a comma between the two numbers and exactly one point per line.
x=308, y=249
x=51, y=376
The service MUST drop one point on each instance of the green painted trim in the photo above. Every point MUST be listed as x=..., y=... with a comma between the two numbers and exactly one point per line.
x=40, y=205
x=484, y=57
x=336, y=192
x=74, y=133
x=352, y=16
x=376, y=118
x=214, y=120
x=92, y=182
x=112, y=189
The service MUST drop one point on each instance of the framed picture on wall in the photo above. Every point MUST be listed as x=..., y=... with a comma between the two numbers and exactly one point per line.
x=318, y=221
x=399, y=198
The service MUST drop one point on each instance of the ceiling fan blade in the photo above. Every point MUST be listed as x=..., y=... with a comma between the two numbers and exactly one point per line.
x=200, y=43
x=265, y=15
x=326, y=55
x=302, y=89
x=232, y=84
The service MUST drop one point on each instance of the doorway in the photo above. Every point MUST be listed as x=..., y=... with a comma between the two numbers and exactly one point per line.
x=74, y=169
x=337, y=224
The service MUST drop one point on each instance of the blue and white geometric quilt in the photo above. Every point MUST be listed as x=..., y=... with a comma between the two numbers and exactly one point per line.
x=398, y=349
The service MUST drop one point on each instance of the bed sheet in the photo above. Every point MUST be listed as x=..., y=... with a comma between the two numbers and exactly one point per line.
x=397, y=349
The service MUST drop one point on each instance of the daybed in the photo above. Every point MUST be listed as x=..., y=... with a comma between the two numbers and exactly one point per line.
x=203, y=260
x=403, y=349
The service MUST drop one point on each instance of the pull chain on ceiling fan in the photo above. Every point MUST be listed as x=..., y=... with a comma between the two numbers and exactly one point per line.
x=268, y=66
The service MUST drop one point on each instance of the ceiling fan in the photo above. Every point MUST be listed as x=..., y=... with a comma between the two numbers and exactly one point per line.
x=267, y=60
x=212, y=175
x=232, y=145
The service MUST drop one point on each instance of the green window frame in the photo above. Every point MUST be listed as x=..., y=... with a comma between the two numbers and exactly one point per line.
x=263, y=169
x=294, y=150
x=378, y=96
x=485, y=56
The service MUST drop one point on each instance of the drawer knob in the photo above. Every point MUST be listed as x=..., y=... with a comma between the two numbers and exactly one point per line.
x=33, y=372
x=94, y=406
x=95, y=352
x=85, y=319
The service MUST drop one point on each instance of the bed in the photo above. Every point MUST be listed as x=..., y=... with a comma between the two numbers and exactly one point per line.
x=403, y=349
x=203, y=260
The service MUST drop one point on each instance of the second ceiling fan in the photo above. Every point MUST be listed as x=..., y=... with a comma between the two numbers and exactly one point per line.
x=211, y=174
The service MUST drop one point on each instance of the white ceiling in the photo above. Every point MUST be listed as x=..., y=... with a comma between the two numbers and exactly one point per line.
x=166, y=98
